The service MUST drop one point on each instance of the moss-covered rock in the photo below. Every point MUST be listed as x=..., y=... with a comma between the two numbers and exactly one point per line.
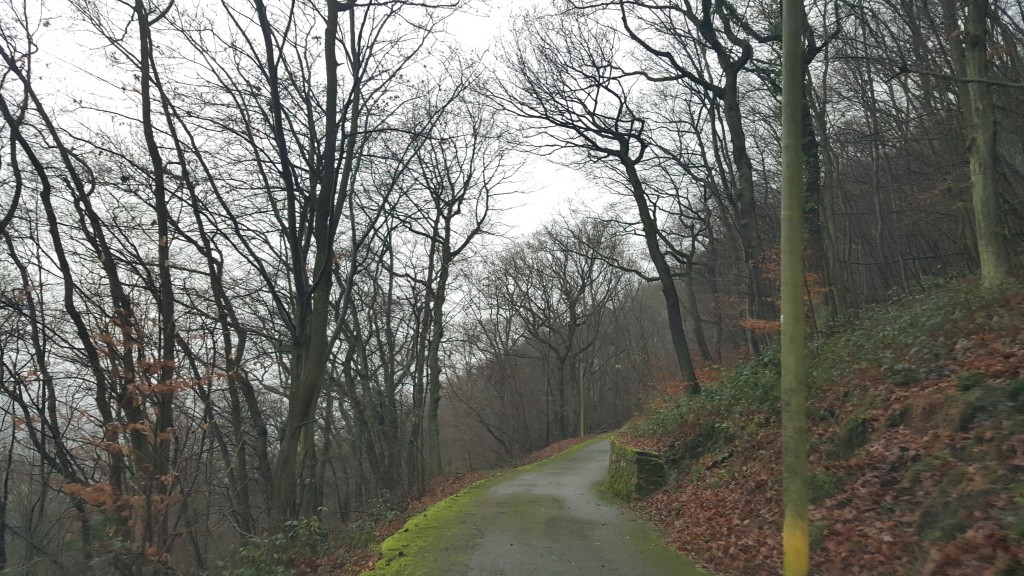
x=633, y=473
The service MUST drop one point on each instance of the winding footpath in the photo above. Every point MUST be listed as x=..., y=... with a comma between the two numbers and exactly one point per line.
x=540, y=520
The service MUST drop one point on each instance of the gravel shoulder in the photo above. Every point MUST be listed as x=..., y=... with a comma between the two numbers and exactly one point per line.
x=540, y=520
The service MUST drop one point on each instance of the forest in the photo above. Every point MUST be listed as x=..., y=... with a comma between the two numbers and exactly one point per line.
x=255, y=267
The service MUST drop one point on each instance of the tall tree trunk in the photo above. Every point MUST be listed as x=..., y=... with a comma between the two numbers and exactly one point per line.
x=241, y=461
x=4, y=496
x=105, y=388
x=416, y=483
x=795, y=535
x=415, y=453
x=668, y=285
x=159, y=484
x=812, y=206
x=547, y=408
x=837, y=283
x=694, y=310
x=992, y=252
x=433, y=439
x=294, y=492
x=582, y=404
x=883, y=248
x=759, y=306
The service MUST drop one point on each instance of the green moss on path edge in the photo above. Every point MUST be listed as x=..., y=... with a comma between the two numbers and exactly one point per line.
x=432, y=533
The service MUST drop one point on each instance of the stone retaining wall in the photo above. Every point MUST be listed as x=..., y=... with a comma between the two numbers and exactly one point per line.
x=633, y=473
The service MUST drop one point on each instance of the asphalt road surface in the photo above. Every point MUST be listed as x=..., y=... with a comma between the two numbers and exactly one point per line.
x=545, y=520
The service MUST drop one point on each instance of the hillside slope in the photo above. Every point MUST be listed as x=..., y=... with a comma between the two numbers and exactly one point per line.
x=917, y=447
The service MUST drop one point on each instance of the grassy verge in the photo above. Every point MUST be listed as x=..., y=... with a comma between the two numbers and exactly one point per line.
x=410, y=550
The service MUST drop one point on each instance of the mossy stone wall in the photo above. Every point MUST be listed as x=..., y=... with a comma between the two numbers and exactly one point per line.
x=633, y=473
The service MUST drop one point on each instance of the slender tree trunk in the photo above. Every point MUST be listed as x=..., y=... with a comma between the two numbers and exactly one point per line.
x=583, y=416
x=295, y=475
x=759, y=307
x=668, y=285
x=796, y=547
x=813, y=224
x=837, y=283
x=992, y=252
x=159, y=484
x=717, y=334
x=241, y=461
x=694, y=310
x=883, y=248
x=4, y=497
x=561, y=427
x=547, y=409
x=433, y=439
x=414, y=457
x=105, y=388
x=392, y=426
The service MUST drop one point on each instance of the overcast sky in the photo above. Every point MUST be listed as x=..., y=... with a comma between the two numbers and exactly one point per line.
x=547, y=187
x=552, y=188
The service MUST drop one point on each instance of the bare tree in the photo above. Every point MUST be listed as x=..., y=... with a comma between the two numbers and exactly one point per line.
x=565, y=81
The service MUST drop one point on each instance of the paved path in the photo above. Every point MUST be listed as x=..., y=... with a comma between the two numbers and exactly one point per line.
x=545, y=520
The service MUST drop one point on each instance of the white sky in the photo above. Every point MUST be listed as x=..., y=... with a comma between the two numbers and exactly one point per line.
x=547, y=189
x=551, y=189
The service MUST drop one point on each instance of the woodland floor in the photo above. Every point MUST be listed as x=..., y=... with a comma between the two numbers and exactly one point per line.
x=916, y=438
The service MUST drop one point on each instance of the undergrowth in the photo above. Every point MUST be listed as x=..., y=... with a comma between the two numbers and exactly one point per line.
x=905, y=339
x=285, y=552
x=916, y=430
x=746, y=388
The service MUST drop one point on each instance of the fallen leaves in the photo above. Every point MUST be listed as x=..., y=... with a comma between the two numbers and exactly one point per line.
x=929, y=493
